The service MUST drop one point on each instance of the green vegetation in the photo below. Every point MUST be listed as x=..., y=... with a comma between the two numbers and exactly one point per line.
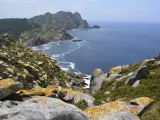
x=30, y=66
x=149, y=87
x=131, y=69
x=82, y=105
x=153, y=113
x=16, y=26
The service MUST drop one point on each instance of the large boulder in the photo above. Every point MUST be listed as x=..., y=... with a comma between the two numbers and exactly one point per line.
x=143, y=103
x=139, y=74
x=97, y=83
x=97, y=72
x=8, y=87
x=119, y=110
x=42, y=108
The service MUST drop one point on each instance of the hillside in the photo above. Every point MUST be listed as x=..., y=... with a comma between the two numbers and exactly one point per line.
x=129, y=82
x=43, y=35
x=30, y=81
x=65, y=20
x=42, y=29
x=28, y=67
x=15, y=26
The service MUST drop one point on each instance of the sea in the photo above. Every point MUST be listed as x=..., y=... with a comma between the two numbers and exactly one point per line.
x=115, y=44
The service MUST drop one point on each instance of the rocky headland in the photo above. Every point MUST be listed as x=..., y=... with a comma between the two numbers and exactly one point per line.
x=43, y=29
x=30, y=81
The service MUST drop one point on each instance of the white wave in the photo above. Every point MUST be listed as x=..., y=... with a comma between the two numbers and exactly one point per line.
x=75, y=38
x=75, y=29
x=66, y=66
x=69, y=51
x=87, y=80
x=35, y=48
x=42, y=47
x=56, y=55
x=65, y=69
x=71, y=65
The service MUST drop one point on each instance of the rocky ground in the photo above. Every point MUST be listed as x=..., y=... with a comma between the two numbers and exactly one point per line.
x=29, y=89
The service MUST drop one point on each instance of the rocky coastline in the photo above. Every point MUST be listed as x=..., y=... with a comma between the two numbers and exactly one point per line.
x=33, y=86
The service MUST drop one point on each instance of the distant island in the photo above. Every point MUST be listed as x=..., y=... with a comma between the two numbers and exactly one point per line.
x=44, y=28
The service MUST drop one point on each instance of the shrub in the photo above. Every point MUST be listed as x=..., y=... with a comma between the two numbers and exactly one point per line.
x=81, y=105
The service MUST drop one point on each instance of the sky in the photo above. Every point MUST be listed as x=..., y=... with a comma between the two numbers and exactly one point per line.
x=111, y=10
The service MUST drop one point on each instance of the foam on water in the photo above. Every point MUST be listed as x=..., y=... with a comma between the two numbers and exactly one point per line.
x=87, y=80
x=65, y=65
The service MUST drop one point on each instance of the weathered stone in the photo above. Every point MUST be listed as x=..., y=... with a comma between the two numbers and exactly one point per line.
x=5, y=75
x=136, y=84
x=32, y=71
x=96, y=73
x=42, y=108
x=143, y=103
x=97, y=83
x=139, y=74
x=118, y=110
x=148, y=62
x=122, y=78
x=69, y=94
x=113, y=77
x=8, y=87
x=118, y=69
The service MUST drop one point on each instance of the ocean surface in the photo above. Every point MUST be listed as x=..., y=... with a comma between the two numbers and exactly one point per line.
x=113, y=45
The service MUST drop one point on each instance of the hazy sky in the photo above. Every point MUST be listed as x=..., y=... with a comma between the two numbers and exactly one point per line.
x=114, y=10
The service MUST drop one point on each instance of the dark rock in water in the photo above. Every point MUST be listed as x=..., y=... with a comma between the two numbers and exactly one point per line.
x=139, y=74
x=76, y=40
x=95, y=26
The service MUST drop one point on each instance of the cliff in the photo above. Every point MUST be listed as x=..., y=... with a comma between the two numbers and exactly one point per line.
x=65, y=20
x=29, y=83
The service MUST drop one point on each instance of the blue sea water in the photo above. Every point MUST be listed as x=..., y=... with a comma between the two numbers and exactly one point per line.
x=113, y=45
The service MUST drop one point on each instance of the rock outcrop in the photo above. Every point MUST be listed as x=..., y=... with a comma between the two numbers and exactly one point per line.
x=139, y=74
x=8, y=87
x=97, y=79
x=95, y=26
x=69, y=96
x=41, y=108
x=119, y=110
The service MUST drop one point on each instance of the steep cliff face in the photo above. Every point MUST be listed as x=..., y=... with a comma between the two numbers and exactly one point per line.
x=66, y=20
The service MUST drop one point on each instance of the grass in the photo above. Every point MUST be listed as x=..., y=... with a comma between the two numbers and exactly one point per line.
x=153, y=113
x=81, y=105
x=131, y=69
x=149, y=87
x=16, y=53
